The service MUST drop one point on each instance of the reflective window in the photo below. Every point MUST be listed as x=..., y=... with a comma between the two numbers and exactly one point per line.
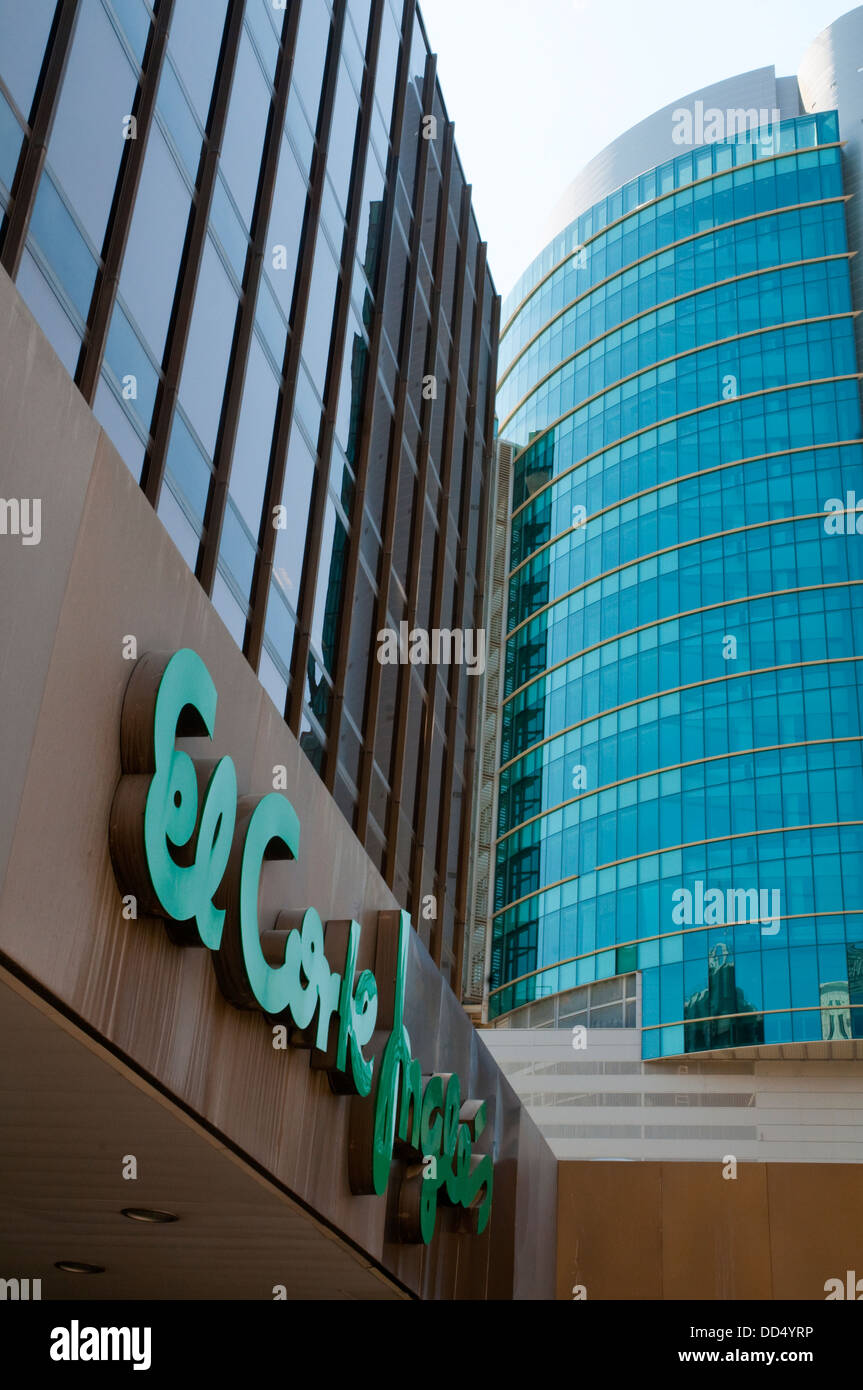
x=340, y=155
x=229, y=609
x=175, y=111
x=254, y=438
x=273, y=679
x=10, y=142
x=48, y=312
x=312, y=40
x=176, y=520
x=208, y=350
x=54, y=231
x=133, y=369
x=24, y=34
x=286, y=227
x=300, y=132
x=261, y=18
x=229, y=228
x=237, y=549
x=385, y=83
x=371, y=219
x=327, y=612
x=320, y=313
x=270, y=322
x=243, y=142
x=188, y=471
x=279, y=635
x=152, y=260
x=86, y=143
x=119, y=428
x=294, y=520
x=194, y=42
x=135, y=23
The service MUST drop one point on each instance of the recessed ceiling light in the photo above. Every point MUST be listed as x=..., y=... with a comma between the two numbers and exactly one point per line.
x=149, y=1215
x=78, y=1267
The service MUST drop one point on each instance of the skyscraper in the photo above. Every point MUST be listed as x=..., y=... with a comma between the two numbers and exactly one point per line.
x=679, y=794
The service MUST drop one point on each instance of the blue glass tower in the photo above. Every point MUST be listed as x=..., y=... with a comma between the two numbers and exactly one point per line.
x=680, y=788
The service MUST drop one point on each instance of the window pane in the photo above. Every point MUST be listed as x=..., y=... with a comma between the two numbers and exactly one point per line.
x=279, y=630
x=119, y=428
x=254, y=438
x=319, y=316
x=10, y=142
x=188, y=468
x=286, y=228
x=209, y=348
x=342, y=137
x=258, y=14
x=132, y=367
x=24, y=31
x=49, y=313
x=328, y=599
x=291, y=536
x=57, y=236
x=237, y=548
x=243, y=144
x=87, y=143
x=178, y=526
x=175, y=111
x=229, y=229
x=229, y=610
x=194, y=43
x=135, y=23
x=312, y=39
x=152, y=261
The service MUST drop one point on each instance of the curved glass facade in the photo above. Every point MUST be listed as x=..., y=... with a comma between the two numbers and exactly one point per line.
x=680, y=788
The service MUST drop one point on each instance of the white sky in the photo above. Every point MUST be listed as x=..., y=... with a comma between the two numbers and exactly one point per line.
x=538, y=87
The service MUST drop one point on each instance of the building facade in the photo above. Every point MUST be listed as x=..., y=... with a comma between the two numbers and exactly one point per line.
x=251, y=243
x=247, y=347
x=673, y=959
x=682, y=715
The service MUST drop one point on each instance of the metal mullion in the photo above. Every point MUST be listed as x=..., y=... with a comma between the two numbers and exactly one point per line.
x=193, y=251
x=419, y=523
x=42, y=113
x=233, y=399
x=369, y=405
x=440, y=555
x=328, y=430
x=473, y=713
x=393, y=478
x=290, y=373
x=120, y=221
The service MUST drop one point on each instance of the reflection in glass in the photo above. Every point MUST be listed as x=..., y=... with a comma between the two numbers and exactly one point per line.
x=717, y=1005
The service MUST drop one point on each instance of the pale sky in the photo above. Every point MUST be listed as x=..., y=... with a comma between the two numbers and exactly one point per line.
x=538, y=87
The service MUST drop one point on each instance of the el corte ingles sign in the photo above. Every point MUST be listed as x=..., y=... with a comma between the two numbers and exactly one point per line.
x=193, y=853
